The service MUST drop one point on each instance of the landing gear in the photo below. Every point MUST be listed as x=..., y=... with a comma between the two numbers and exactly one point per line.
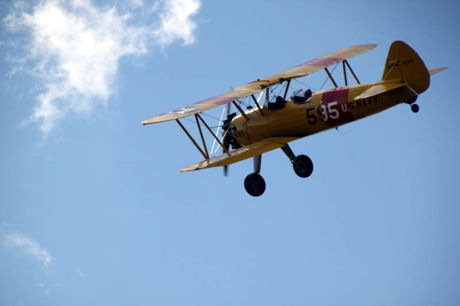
x=411, y=100
x=303, y=166
x=254, y=184
x=414, y=108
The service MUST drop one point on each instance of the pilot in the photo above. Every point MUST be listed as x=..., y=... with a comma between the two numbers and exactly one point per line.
x=302, y=99
x=278, y=104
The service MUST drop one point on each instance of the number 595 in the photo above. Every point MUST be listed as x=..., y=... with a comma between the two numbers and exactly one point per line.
x=325, y=112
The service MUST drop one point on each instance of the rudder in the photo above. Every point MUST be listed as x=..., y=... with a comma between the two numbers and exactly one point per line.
x=403, y=64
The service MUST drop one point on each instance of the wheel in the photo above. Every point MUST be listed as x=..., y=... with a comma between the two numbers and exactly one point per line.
x=254, y=184
x=303, y=166
x=415, y=108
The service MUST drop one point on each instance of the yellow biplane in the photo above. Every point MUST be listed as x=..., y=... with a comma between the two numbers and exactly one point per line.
x=284, y=118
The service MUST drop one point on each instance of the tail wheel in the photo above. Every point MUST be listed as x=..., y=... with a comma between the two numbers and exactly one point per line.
x=254, y=184
x=303, y=166
x=415, y=108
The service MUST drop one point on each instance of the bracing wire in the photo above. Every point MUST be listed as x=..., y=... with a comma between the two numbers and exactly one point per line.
x=189, y=120
x=217, y=147
x=305, y=84
x=211, y=116
x=327, y=78
x=218, y=129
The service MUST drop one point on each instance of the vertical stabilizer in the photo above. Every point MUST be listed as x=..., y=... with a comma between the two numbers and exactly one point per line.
x=405, y=65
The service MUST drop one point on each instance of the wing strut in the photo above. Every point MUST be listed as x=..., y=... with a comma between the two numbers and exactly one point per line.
x=201, y=135
x=257, y=104
x=345, y=65
x=330, y=77
x=204, y=151
x=344, y=73
x=192, y=139
x=352, y=72
x=210, y=131
x=287, y=88
x=241, y=110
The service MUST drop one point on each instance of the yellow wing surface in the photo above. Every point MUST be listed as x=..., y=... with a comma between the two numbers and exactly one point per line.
x=259, y=85
x=242, y=153
x=436, y=70
x=379, y=89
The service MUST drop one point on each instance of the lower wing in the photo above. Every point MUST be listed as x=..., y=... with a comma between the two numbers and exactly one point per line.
x=242, y=153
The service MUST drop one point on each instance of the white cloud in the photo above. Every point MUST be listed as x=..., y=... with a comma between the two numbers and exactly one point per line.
x=29, y=246
x=137, y=3
x=75, y=48
x=176, y=22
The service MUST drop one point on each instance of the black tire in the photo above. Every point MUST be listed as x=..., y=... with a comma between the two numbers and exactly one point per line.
x=254, y=184
x=415, y=108
x=303, y=166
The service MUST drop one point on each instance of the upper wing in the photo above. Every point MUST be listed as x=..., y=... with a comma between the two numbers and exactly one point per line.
x=317, y=64
x=259, y=85
x=203, y=105
x=242, y=153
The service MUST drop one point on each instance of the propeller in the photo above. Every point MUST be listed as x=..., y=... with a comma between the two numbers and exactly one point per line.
x=228, y=139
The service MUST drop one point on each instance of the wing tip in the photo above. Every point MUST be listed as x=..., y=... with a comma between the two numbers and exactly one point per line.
x=436, y=70
x=368, y=46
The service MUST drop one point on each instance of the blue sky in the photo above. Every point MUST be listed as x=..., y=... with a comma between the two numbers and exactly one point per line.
x=93, y=210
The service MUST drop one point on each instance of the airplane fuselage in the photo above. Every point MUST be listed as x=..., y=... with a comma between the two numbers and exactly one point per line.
x=326, y=109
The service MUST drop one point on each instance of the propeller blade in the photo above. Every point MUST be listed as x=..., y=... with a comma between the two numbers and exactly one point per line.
x=229, y=105
x=227, y=145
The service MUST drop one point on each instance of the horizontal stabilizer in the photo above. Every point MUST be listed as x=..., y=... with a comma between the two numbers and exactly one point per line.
x=242, y=153
x=436, y=70
x=379, y=89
